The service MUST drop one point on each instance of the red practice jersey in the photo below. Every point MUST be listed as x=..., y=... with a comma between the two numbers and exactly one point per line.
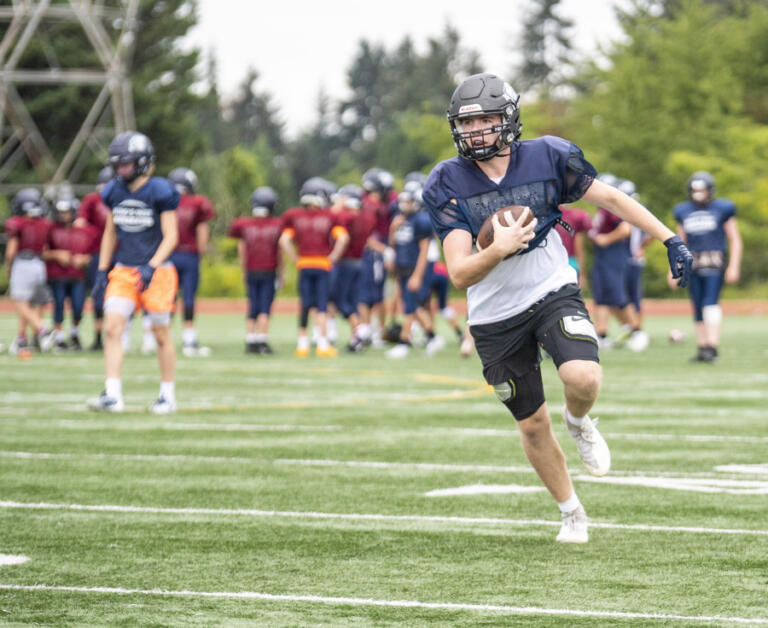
x=75, y=240
x=380, y=209
x=31, y=232
x=313, y=232
x=260, y=236
x=360, y=226
x=94, y=211
x=193, y=210
x=580, y=222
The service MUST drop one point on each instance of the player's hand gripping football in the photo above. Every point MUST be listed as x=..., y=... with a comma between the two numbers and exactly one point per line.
x=509, y=240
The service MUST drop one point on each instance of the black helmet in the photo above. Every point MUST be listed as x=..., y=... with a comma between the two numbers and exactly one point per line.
x=263, y=201
x=131, y=147
x=701, y=180
x=378, y=180
x=184, y=179
x=316, y=192
x=65, y=209
x=106, y=174
x=28, y=202
x=485, y=94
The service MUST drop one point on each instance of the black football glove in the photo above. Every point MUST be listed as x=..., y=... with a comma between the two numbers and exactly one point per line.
x=145, y=276
x=99, y=288
x=680, y=260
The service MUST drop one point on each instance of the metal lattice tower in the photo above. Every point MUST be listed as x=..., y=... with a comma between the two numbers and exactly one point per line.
x=19, y=135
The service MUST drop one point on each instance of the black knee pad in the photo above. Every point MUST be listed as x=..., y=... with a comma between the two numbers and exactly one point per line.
x=304, y=317
x=522, y=395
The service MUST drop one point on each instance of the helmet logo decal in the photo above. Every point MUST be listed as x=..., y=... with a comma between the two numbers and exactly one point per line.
x=138, y=143
x=470, y=108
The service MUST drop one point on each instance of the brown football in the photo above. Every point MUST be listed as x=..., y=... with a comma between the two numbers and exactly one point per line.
x=507, y=215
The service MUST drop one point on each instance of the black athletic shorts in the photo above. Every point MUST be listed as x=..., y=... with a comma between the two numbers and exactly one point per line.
x=509, y=349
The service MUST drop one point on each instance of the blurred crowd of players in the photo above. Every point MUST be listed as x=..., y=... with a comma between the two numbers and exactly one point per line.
x=365, y=254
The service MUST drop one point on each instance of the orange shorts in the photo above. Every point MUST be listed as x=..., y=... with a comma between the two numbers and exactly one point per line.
x=158, y=298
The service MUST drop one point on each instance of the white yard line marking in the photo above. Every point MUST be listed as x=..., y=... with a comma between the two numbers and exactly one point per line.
x=13, y=559
x=197, y=427
x=484, y=489
x=652, y=479
x=697, y=438
x=355, y=601
x=748, y=469
x=247, y=512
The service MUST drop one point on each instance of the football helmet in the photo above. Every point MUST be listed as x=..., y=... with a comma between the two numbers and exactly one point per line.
x=628, y=187
x=106, y=174
x=184, y=179
x=418, y=177
x=66, y=209
x=315, y=192
x=28, y=202
x=409, y=200
x=482, y=94
x=131, y=147
x=378, y=180
x=609, y=179
x=263, y=201
x=700, y=181
x=352, y=194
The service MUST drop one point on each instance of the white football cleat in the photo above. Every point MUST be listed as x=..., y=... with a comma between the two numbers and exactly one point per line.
x=398, y=352
x=574, y=528
x=148, y=344
x=46, y=338
x=105, y=403
x=592, y=447
x=195, y=350
x=638, y=341
x=163, y=406
x=435, y=344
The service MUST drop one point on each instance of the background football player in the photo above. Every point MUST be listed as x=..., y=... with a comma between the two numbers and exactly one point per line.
x=259, y=254
x=708, y=225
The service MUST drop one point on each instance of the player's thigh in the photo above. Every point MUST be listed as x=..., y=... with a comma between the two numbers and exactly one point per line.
x=160, y=296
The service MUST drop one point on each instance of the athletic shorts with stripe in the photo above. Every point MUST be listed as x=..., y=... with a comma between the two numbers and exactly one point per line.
x=509, y=349
x=158, y=298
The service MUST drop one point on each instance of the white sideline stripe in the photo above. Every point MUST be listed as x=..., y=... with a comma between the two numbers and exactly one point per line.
x=13, y=559
x=356, y=601
x=247, y=512
x=749, y=469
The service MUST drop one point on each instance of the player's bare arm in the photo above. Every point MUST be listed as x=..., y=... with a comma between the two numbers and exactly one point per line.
x=467, y=268
x=170, y=227
x=735, y=248
x=417, y=276
x=621, y=232
x=603, y=195
x=339, y=246
x=108, y=243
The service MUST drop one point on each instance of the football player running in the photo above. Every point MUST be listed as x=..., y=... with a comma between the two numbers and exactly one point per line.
x=708, y=225
x=519, y=292
x=142, y=232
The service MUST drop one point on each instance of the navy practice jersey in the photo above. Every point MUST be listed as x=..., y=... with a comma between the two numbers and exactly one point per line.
x=704, y=233
x=407, y=237
x=543, y=173
x=137, y=217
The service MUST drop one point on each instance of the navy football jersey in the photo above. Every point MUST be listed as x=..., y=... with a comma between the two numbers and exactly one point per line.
x=542, y=174
x=704, y=233
x=407, y=237
x=137, y=217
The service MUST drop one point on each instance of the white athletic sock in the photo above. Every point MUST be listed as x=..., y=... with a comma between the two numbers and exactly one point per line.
x=322, y=342
x=570, y=504
x=114, y=387
x=189, y=336
x=363, y=331
x=330, y=325
x=260, y=337
x=251, y=338
x=168, y=391
x=73, y=331
x=60, y=336
x=303, y=342
x=577, y=421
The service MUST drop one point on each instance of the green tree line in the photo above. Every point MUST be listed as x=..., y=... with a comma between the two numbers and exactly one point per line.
x=685, y=88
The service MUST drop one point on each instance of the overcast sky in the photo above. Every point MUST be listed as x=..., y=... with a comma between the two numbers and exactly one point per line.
x=299, y=46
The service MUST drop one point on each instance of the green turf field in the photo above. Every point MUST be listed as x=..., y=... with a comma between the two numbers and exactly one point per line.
x=315, y=492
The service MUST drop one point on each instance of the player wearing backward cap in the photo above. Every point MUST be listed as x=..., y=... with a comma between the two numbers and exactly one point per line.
x=141, y=231
x=515, y=303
